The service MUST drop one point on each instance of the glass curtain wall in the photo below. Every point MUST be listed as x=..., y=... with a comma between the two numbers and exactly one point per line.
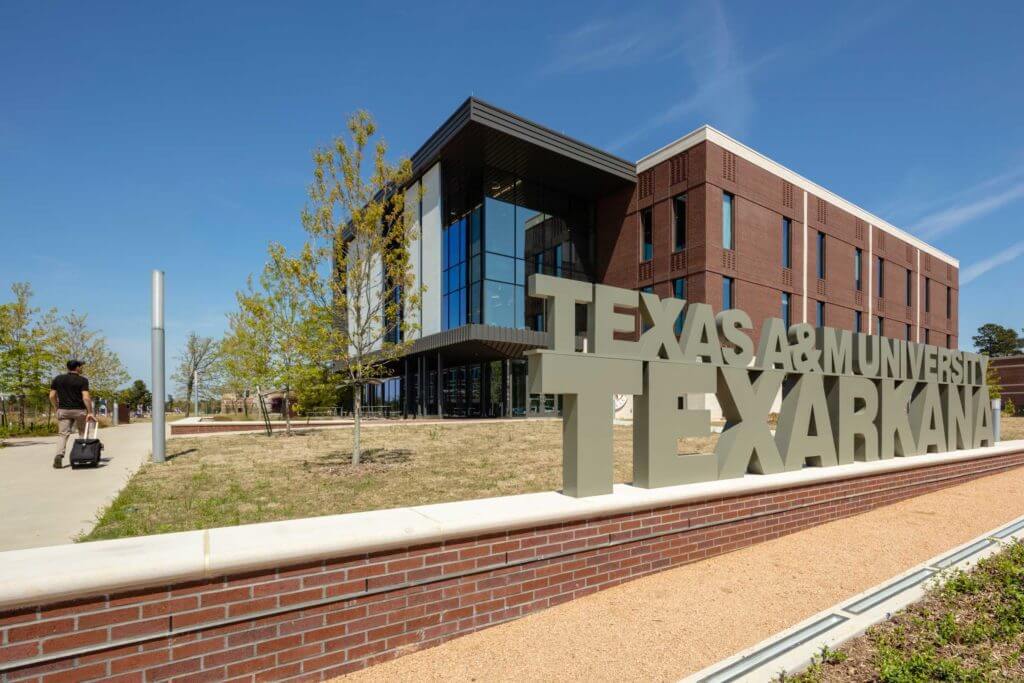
x=499, y=235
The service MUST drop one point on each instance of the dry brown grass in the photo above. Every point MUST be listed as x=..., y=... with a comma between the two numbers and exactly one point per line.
x=240, y=479
x=1011, y=428
x=245, y=478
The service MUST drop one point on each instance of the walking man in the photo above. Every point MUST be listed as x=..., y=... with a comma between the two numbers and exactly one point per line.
x=69, y=396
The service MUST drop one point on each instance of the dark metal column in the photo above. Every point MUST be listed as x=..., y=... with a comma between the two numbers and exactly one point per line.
x=419, y=387
x=507, y=368
x=405, y=388
x=440, y=386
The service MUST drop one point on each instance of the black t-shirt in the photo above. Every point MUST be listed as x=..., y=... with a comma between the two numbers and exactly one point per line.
x=69, y=388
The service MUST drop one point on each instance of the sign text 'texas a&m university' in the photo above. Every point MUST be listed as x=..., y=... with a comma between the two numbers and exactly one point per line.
x=846, y=397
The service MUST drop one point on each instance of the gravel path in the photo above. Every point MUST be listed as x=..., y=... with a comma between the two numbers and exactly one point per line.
x=667, y=625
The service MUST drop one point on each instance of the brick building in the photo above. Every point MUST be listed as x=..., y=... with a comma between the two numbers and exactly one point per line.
x=496, y=198
x=1010, y=370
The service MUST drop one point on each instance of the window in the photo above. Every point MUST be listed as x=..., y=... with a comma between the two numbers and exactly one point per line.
x=821, y=256
x=728, y=293
x=728, y=211
x=881, y=326
x=647, y=233
x=679, y=292
x=454, y=278
x=644, y=325
x=858, y=323
x=819, y=314
x=787, y=243
x=908, y=332
x=558, y=260
x=909, y=280
x=949, y=304
x=787, y=300
x=858, y=268
x=503, y=301
x=927, y=295
x=927, y=336
x=949, y=341
x=881, y=278
x=538, y=262
x=679, y=222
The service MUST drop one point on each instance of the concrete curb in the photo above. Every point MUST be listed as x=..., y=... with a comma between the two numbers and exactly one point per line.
x=791, y=650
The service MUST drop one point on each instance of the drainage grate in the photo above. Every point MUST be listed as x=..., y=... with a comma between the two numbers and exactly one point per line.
x=883, y=594
x=740, y=668
x=1008, y=530
x=950, y=560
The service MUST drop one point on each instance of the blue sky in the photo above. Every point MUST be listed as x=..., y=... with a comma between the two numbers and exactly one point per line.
x=178, y=135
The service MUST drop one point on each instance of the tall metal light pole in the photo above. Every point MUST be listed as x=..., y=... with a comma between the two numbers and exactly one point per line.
x=159, y=391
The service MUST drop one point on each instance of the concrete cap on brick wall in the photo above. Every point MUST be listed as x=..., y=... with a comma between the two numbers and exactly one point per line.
x=45, y=575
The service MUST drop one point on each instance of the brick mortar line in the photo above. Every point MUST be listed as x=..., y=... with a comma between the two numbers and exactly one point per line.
x=254, y=616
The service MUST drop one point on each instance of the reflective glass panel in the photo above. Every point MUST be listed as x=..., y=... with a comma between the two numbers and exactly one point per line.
x=500, y=303
x=500, y=226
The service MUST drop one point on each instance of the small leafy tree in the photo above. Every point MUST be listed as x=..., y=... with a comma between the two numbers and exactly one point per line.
x=103, y=367
x=354, y=269
x=26, y=350
x=274, y=324
x=137, y=395
x=995, y=389
x=199, y=355
x=243, y=353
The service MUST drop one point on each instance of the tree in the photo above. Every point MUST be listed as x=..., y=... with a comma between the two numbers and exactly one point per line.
x=354, y=268
x=244, y=352
x=996, y=340
x=199, y=355
x=73, y=339
x=271, y=331
x=137, y=395
x=25, y=352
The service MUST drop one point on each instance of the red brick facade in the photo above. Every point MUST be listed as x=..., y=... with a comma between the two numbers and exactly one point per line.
x=762, y=199
x=329, y=617
x=1010, y=370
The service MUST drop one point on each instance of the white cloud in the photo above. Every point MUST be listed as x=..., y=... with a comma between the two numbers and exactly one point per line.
x=720, y=90
x=948, y=220
x=616, y=42
x=976, y=270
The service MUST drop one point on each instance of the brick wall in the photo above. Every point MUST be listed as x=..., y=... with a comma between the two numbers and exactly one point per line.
x=1010, y=370
x=761, y=201
x=337, y=615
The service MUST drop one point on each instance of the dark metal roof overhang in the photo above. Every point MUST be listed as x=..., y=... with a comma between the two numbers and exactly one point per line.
x=481, y=135
x=479, y=343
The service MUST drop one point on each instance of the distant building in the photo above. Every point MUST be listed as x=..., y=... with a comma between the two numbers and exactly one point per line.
x=1011, y=378
x=232, y=403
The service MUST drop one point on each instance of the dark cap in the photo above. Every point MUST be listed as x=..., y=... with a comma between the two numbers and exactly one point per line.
x=74, y=364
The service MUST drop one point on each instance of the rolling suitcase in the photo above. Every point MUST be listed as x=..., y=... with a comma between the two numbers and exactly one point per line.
x=85, y=452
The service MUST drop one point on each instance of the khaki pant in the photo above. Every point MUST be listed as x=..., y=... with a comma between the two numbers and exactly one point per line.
x=66, y=421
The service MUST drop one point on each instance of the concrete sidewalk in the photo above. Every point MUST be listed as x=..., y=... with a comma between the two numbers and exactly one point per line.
x=667, y=625
x=42, y=506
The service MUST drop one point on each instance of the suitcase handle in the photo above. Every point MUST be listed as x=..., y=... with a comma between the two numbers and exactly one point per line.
x=95, y=429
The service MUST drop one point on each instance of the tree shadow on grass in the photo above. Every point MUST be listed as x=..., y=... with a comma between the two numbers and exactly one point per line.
x=372, y=459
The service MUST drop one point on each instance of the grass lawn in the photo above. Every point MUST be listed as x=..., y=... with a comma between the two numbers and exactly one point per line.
x=240, y=479
x=971, y=628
